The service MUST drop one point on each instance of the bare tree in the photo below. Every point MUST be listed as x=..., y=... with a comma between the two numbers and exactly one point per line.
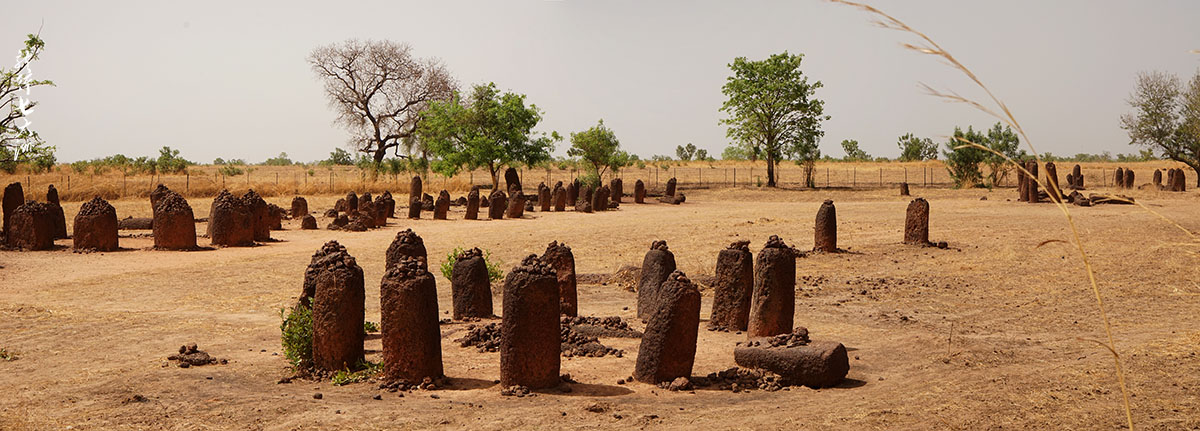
x=379, y=90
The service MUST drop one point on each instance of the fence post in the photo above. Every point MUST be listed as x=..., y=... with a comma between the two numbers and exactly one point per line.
x=124, y=183
x=187, y=185
x=854, y=177
x=68, y=183
x=881, y=177
x=700, y=174
x=331, y=181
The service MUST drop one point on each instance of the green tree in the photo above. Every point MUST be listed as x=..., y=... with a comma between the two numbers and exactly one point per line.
x=735, y=152
x=281, y=160
x=773, y=108
x=488, y=129
x=18, y=143
x=339, y=157
x=853, y=153
x=914, y=149
x=1166, y=117
x=685, y=153
x=168, y=161
x=963, y=161
x=702, y=155
x=1004, y=141
x=599, y=147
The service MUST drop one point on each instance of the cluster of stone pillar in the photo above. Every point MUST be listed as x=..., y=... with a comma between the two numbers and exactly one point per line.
x=1176, y=180
x=1027, y=183
x=1075, y=179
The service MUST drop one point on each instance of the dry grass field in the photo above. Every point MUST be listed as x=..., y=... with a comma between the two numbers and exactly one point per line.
x=991, y=333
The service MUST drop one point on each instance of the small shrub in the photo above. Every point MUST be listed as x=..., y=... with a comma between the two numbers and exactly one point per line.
x=364, y=371
x=230, y=170
x=297, y=336
x=494, y=272
x=590, y=179
x=369, y=327
x=7, y=355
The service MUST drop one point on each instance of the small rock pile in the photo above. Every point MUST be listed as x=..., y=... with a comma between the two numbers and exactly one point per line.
x=190, y=354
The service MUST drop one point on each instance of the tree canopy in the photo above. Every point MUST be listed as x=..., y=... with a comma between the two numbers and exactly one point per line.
x=599, y=147
x=18, y=142
x=1166, y=117
x=488, y=129
x=916, y=149
x=773, y=108
x=853, y=153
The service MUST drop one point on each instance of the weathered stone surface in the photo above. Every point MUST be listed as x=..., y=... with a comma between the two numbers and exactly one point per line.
x=639, y=192
x=516, y=205
x=818, y=364
x=472, y=204
x=157, y=194
x=275, y=215
x=406, y=245
x=1129, y=178
x=668, y=348
x=414, y=207
x=14, y=197
x=426, y=202
x=617, y=189
x=470, y=286
x=1021, y=183
x=56, y=213
x=442, y=206
x=340, y=205
x=670, y=187
x=572, y=193
x=825, y=230
x=308, y=222
x=657, y=265
x=600, y=199
x=351, y=202
x=31, y=227
x=733, y=287
x=773, y=303
x=916, y=222
x=388, y=204
x=1052, y=182
x=1031, y=182
x=904, y=189
x=560, y=198
x=229, y=222
x=560, y=257
x=530, y=334
x=544, y=199
x=367, y=214
x=96, y=226
x=174, y=225
x=1158, y=179
x=139, y=223
x=299, y=207
x=412, y=340
x=512, y=181
x=415, y=189
x=498, y=205
x=1077, y=175
x=260, y=214
x=1119, y=178
x=338, y=309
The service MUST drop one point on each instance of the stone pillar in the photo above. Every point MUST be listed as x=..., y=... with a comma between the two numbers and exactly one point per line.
x=639, y=192
x=560, y=257
x=1031, y=183
x=31, y=227
x=414, y=207
x=657, y=265
x=299, y=207
x=773, y=304
x=572, y=194
x=406, y=245
x=530, y=332
x=668, y=348
x=1022, y=179
x=560, y=198
x=734, y=285
x=338, y=310
x=408, y=308
x=671, y=187
x=1052, y=182
x=14, y=197
x=56, y=213
x=229, y=222
x=617, y=188
x=174, y=226
x=96, y=226
x=261, y=218
x=351, y=202
x=516, y=205
x=512, y=181
x=544, y=199
x=1158, y=179
x=825, y=231
x=600, y=199
x=472, y=204
x=916, y=222
x=1078, y=174
x=308, y=222
x=1119, y=178
x=470, y=286
x=904, y=189
x=442, y=206
x=389, y=204
x=1129, y=178
x=499, y=203
x=415, y=189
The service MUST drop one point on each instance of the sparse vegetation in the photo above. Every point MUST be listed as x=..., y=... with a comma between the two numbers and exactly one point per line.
x=495, y=273
x=8, y=355
x=297, y=336
x=363, y=371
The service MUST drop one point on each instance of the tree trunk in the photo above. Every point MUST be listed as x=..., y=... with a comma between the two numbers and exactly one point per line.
x=770, y=170
x=380, y=153
x=495, y=178
x=1196, y=167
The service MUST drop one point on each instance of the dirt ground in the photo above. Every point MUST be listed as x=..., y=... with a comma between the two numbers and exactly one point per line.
x=992, y=333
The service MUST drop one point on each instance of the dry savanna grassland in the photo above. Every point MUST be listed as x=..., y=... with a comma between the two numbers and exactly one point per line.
x=993, y=332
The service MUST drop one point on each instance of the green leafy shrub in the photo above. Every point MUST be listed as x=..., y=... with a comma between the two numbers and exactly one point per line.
x=494, y=272
x=364, y=370
x=297, y=336
x=7, y=355
x=370, y=327
x=230, y=171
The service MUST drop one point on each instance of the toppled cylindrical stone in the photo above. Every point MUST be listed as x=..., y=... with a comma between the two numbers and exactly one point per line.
x=817, y=364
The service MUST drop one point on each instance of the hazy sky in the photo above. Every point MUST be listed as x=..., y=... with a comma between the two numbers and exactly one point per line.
x=230, y=79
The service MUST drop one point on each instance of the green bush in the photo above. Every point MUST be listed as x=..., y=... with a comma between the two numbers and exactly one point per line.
x=369, y=327
x=494, y=272
x=297, y=336
x=230, y=171
x=590, y=179
x=363, y=371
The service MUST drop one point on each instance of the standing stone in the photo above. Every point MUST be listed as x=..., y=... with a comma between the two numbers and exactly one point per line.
x=530, y=332
x=381, y=211
x=825, y=231
x=1052, y=182
x=230, y=223
x=773, y=305
x=472, y=204
x=600, y=199
x=414, y=207
x=275, y=215
x=442, y=206
x=572, y=194
x=56, y=213
x=406, y=245
x=308, y=222
x=584, y=202
x=1119, y=178
x=904, y=189
x=560, y=257
x=389, y=204
x=733, y=288
x=31, y=227
x=470, y=286
x=1077, y=173
x=351, y=202
x=1022, y=181
x=174, y=225
x=512, y=180
x=340, y=205
x=668, y=348
x=639, y=192
x=157, y=194
x=617, y=188
x=516, y=205
x=299, y=207
x=497, y=206
x=1031, y=182
x=916, y=222
x=1181, y=180
x=1158, y=179
x=670, y=187
x=544, y=200
x=427, y=202
x=14, y=197
x=309, y=289
x=96, y=226
x=365, y=197
x=560, y=198
x=658, y=264
x=1129, y=178
x=408, y=309
x=367, y=215
x=260, y=214
x=414, y=188
x=338, y=310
